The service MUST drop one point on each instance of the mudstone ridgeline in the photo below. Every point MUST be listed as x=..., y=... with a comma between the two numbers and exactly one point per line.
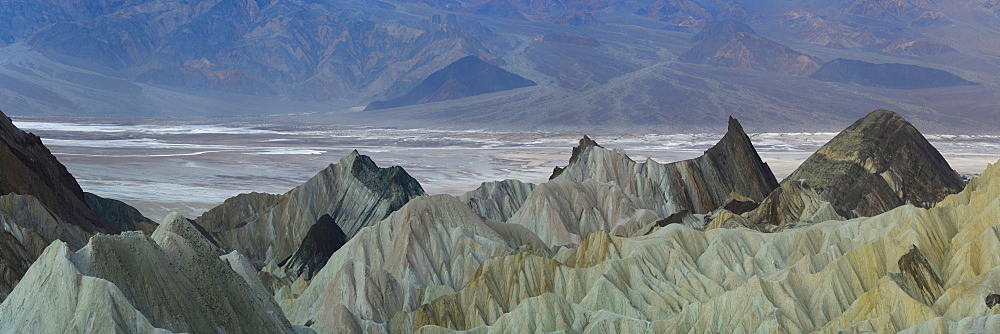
x=873, y=232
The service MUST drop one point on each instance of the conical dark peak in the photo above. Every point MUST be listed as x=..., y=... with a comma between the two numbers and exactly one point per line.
x=877, y=163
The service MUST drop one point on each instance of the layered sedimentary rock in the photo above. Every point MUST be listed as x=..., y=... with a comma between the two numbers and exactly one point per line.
x=119, y=215
x=323, y=239
x=876, y=164
x=907, y=267
x=699, y=185
x=498, y=200
x=30, y=169
x=355, y=192
x=35, y=225
x=173, y=280
x=563, y=212
x=793, y=202
x=433, y=245
x=14, y=262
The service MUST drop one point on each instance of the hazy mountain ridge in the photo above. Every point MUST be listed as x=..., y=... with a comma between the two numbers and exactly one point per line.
x=312, y=50
x=621, y=71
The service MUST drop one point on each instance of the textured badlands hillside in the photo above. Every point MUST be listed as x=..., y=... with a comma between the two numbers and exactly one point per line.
x=173, y=280
x=40, y=202
x=268, y=228
x=878, y=163
x=909, y=267
x=699, y=185
x=607, y=245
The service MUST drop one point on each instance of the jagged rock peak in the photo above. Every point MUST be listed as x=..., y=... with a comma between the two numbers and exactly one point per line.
x=699, y=185
x=878, y=163
x=323, y=239
x=29, y=168
x=390, y=182
x=584, y=144
x=355, y=192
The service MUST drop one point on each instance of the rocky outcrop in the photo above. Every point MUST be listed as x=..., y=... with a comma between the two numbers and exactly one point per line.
x=323, y=239
x=793, y=202
x=735, y=45
x=30, y=169
x=498, y=200
x=876, y=164
x=909, y=267
x=355, y=192
x=119, y=215
x=699, y=185
x=563, y=212
x=14, y=262
x=465, y=77
x=432, y=243
x=173, y=280
x=35, y=225
x=889, y=75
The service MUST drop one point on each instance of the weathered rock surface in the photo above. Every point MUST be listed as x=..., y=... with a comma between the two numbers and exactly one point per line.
x=907, y=267
x=14, y=262
x=699, y=185
x=35, y=225
x=119, y=215
x=354, y=192
x=323, y=239
x=30, y=169
x=876, y=164
x=563, y=212
x=131, y=282
x=498, y=200
x=432, y=243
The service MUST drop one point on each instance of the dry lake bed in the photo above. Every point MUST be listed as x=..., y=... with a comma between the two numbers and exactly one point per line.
x=190, y=168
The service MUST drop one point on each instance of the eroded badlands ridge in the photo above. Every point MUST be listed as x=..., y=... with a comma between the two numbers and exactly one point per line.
x=711, y=244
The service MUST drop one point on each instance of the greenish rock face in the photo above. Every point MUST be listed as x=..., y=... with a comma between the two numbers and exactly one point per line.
x=876, y=164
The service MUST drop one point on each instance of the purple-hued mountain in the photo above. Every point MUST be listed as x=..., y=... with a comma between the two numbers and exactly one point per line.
x=469, y=76
x=616, y=65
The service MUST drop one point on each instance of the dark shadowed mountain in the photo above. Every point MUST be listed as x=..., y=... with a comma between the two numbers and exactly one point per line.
x=30, y=169
x=735, y=45
x=898, y=76
x=465, y=77
x=323, y=239
x=875, y=165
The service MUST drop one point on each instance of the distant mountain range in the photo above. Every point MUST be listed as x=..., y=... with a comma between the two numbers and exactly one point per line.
x=611, y=64
x=469, y=76
x=899, y=76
